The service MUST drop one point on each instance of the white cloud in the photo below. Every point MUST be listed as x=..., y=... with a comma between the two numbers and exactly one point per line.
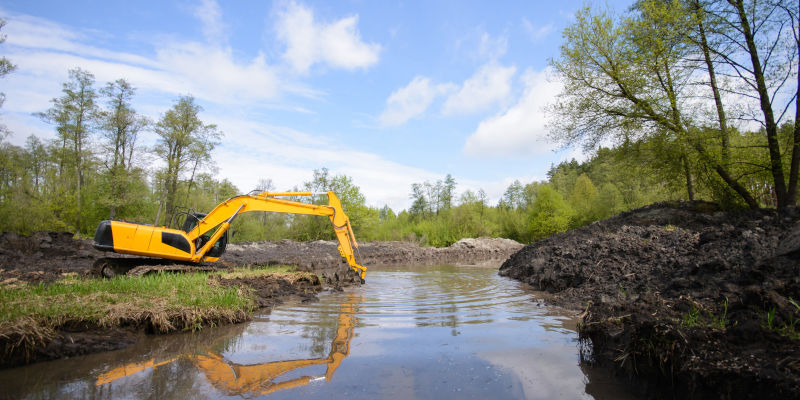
x=492, y=48
x=490, y=84
x=253, y=150
x=211, y=16
x=308, y=42
x=520, y=130
x=411, y=101
x=45, y=50
x=536, y=33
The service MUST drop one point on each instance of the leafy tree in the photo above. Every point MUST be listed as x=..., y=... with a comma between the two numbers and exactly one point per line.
x=183, y=142
x=73, y=114
x=628, y=78
x=121, y=126
x=549, y=214
x=583, y=200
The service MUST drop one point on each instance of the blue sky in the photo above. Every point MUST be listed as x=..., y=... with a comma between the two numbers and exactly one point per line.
x=386, y=93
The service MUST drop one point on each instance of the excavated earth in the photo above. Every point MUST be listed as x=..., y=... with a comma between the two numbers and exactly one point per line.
x=44, y=257
x=684, y=300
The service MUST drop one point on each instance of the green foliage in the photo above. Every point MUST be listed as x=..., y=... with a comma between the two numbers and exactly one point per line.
x=549, y=214
x=694, y=317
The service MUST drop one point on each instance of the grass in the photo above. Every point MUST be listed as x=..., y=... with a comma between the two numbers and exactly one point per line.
x=790, y=327
x=162, y=302
x=694, y=317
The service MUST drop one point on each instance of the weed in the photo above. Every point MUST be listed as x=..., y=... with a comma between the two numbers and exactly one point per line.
x=621, y=290
x=692, y=317
x=788, y=328
x=769, y=319
x=722, y=321
x=669, y=227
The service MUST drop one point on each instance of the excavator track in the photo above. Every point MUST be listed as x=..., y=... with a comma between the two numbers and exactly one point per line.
x=109, y=267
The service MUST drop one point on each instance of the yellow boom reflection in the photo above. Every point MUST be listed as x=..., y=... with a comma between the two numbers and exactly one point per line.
x=259, y=379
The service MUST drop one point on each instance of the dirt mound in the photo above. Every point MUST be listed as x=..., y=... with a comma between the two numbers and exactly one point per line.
x=317, y=254
x=271, y=290
x=682, y=295
x=44, y=256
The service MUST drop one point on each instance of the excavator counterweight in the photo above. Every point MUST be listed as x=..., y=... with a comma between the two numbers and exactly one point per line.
x=204, y=239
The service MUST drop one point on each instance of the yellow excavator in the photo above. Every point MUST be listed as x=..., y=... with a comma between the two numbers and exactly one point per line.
x=234, y=379
x=204, y=236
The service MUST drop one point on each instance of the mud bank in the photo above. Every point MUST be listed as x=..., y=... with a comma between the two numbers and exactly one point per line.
x=323, y=257
x=38, y=337
x=686, y=300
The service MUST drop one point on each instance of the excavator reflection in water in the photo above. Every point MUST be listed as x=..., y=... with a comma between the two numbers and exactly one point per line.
x=258, y=379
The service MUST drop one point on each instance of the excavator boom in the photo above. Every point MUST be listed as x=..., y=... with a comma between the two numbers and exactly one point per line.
x=205, y=241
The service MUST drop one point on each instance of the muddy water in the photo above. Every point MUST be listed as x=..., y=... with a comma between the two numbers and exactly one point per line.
x=428, y=333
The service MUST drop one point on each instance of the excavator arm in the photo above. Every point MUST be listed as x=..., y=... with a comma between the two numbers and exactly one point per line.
x=162, y=242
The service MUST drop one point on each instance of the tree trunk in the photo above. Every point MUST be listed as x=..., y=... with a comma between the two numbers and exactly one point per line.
x=776, y=164
x=712, y=76
x=688, y=173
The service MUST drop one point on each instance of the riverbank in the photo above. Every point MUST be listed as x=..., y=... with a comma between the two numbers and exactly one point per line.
x=78, y=315
x=685, y=300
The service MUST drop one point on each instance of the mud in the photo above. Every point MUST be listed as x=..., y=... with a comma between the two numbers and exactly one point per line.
x=685, y=300
x=271, y=290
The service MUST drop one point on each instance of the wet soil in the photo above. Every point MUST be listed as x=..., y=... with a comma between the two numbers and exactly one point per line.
x=684, y=299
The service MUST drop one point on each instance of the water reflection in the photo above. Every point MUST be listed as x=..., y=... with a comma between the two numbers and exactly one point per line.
x=413, y=333
x=232, y=378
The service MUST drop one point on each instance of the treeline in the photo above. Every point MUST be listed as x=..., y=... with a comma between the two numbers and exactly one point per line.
x=96, y=168
x=575, y=194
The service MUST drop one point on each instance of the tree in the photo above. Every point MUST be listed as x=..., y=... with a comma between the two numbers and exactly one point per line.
x=73, y=114
x=120, y=125
x=631, y=78
x=419, y=206
x=182, y=139
x=583, y=200
x=763, y=64
x=549, y=214
x=448, y=191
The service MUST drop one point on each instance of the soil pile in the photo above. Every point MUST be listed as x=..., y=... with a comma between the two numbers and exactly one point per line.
x=43, y=256
x=323, y=257
x=683, y=296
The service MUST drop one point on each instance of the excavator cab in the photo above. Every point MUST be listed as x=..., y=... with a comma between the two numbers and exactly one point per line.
x=191, y=221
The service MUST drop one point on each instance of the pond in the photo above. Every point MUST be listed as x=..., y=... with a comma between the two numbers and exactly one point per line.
x=444, y=332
